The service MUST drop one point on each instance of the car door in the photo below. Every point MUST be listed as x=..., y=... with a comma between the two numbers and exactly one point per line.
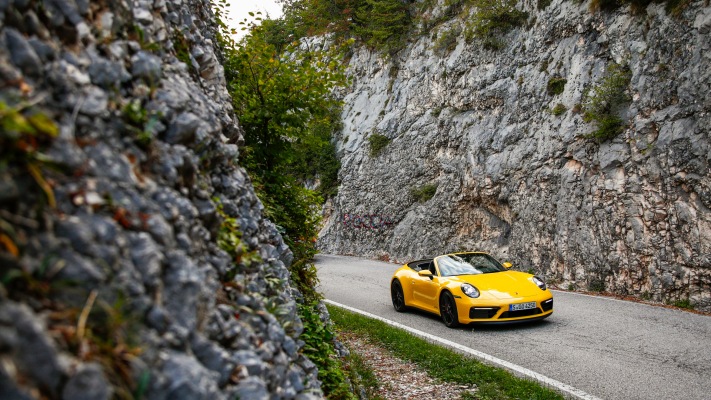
x=424, y=289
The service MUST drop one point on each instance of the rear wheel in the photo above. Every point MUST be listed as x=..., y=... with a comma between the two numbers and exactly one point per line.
x=398, y=296
x=448, y=310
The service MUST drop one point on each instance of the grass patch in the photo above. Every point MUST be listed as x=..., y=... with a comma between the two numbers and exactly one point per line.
x=596, y=285
x=673, y=7
x=603, y=103
x=559, y=109
x=556, y=86
x=543, y=4
x=377, y=143
x=447, y=40
x=491, y=20
x=684, y=303
x=424, y=193
x=361, y=376
x=442, y=363
x=25, y=132
x=318, y=347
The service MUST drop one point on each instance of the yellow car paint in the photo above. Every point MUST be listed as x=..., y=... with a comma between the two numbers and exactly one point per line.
x=498, y=289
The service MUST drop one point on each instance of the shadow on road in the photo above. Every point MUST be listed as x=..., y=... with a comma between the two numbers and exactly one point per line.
x=486, y=327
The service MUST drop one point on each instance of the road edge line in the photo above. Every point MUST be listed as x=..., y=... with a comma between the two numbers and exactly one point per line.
x=516, y=369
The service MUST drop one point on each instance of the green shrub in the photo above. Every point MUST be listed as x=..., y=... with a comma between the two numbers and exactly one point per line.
x=377, y=143
x=544, y=65
x=423, y=193
x=181, y=46
x=673, y=7
x=318, y=347
x=556, y=86
x=229, y=239
x=684, y=303
x=543, y=4
x=382, y=24
x=452, y=8
x=314, y=156
x=596, y=285
x=676, y=7
x=605, y=5
x=361, y=375
x=493, y=19
x=559, y=109
x=603, y=103
x=447, y=40
x=25, y=132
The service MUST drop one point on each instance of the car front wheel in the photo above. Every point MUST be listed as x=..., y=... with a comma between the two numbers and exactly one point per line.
x=397, y=296
x=448, y=310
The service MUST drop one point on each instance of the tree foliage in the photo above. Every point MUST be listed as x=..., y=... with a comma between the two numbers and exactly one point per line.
x=380, y=24
x=282, y=94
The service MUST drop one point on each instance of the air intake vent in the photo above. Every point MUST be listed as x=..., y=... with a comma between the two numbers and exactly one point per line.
x=482, y=312
x=547, y=305
x=521, y=313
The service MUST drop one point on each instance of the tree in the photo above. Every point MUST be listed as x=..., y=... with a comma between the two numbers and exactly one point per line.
x=282, y=94
x=382, y=24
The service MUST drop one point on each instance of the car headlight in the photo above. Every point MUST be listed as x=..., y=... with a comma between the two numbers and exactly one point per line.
x=470, y=290
x=539, y=282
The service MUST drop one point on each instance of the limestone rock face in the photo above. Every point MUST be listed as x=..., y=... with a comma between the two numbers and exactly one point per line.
x=629, y=215
x=118, y=164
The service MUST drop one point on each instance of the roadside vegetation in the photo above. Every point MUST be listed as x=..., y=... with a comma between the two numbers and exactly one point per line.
x=441, y=363
x=282, y=93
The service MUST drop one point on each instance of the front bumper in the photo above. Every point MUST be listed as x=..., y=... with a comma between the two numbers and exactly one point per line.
x=492, y=313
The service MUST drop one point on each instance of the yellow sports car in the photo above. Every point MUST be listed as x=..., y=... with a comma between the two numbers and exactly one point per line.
x=470, y=287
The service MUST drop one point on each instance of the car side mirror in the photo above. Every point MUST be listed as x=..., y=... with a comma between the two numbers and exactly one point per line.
x=426, y=272
x=507, y=265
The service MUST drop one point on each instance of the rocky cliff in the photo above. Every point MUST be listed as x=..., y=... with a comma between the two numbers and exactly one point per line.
x=118, y=175
x=500, y=134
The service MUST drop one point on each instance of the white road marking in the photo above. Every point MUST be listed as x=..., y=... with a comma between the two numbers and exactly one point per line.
x=516, y=369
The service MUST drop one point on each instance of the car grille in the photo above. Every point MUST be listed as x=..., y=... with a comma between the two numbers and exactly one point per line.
x=520, y=313
x=547, y=305
x=483, y=312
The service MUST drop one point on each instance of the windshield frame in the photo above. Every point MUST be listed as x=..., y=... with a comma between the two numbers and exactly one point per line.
x=458, y=264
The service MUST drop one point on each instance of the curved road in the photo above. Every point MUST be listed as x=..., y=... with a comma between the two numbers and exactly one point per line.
x=607, y=348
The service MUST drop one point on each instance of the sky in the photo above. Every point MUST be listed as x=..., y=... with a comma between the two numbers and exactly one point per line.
x=239, y=10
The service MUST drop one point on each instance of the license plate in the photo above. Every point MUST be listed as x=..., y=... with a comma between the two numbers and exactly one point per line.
x=522, y=306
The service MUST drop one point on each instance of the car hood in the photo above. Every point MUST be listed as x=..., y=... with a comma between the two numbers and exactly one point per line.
x=501, y=285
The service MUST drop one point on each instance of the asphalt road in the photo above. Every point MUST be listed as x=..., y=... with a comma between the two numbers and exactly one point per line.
x=608, y=348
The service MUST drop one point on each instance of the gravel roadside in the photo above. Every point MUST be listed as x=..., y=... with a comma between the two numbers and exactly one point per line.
x=400, y=379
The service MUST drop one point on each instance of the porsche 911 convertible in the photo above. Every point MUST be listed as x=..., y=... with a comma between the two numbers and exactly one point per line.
x=463, y=288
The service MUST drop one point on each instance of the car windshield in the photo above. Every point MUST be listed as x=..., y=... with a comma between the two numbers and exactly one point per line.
x=468, y=264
